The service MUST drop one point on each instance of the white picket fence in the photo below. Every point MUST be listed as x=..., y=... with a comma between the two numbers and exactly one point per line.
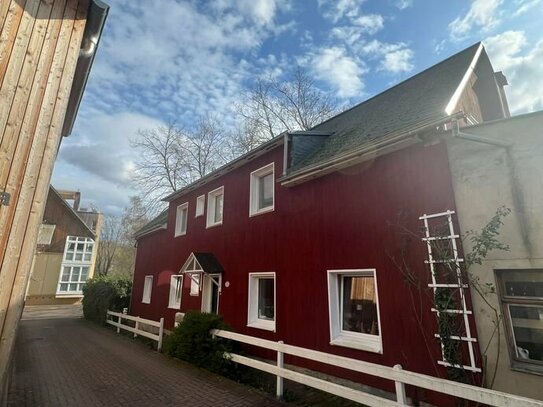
x=136, y=330
x=396, y=374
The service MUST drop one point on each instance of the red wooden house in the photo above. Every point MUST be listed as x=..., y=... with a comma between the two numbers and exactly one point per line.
x=298, y=240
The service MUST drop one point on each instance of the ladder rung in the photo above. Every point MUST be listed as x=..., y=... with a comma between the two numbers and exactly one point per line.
x=436, y=215
x=444, y=261
x=441, y=237
x=453, y=311
x=472, y=368
x=458, y=338
x=447, y=285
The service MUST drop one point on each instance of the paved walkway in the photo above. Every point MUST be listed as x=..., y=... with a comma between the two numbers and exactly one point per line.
x=64, y=360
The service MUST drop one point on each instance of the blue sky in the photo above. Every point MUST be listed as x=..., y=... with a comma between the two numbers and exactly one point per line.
x=164, y=60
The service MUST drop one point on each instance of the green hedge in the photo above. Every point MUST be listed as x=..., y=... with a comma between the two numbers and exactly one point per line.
x=192, y=342
x=103, y=293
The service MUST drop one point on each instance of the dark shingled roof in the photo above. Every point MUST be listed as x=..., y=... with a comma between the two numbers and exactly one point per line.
x=209, y=262
x=418, y=100
x=160, y=222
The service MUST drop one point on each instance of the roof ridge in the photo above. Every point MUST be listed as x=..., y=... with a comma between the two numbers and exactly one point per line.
x=476, y=45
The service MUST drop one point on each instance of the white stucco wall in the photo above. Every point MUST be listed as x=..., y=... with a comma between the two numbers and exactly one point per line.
x=486, y=177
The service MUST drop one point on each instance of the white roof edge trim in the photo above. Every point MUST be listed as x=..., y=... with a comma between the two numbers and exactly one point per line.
x=458, y=92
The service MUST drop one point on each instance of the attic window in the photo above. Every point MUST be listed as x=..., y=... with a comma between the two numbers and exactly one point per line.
x=181, y=219
x=45, y=234
x=200, y=205
x=262, y=190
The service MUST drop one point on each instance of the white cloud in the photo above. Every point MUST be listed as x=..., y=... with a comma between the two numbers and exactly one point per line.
x=97, y=158
x=369, y=23
x=522, y=69
x=525, y=5
x=394, y=57
x=403, y=4
x=483, y=14
x=335, y=10
x=342, y=72
x=397, y=61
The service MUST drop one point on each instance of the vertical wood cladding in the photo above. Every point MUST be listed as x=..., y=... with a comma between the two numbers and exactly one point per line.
x=39, y=48
x=344, y=220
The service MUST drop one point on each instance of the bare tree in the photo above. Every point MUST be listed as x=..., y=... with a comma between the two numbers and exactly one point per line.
x=171, y=157
x=110, y=240
x=272, y=107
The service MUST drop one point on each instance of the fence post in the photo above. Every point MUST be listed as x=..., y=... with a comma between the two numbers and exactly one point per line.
x=280, y=362
x=160, y=334
x=137, y=327
x=401, y=397
x=119, y=321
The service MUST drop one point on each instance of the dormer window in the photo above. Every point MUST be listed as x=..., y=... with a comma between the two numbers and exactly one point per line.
x=215, y=201
x=181, y=219
x=262, y=190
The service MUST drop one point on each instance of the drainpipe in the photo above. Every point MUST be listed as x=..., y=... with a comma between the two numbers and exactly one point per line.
x=476, y=138
x=516, y=190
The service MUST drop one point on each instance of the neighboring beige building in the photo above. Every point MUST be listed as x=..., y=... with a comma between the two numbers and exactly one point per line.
x=487, y=176
x=66, y=251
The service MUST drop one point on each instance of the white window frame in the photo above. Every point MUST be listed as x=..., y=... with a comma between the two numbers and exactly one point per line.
x=200, y=206
x=176, y=283
x=69, y=259
x=252, y=306
x=339, y=337
x=254, y=189
x=147, y=290
x=211, y=200
x=181, y=212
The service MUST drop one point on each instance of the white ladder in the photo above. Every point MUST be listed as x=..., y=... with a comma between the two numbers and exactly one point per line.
x=454, y=262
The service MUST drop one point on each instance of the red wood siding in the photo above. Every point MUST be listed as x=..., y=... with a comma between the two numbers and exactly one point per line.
x=341, y=221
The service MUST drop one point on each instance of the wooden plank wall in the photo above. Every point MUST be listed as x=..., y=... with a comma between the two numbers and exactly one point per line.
x=39, y=48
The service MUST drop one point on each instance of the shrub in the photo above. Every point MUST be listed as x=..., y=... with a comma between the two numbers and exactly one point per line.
x=103, y=293
x=191, y=341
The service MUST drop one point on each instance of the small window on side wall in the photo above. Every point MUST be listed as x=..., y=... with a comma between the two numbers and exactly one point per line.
x=200, y=205
x=261, y=310
x=521, y=296
x=181, y=219
x=354, y=309
x=176, y=284
x=215, y=202
x=147, y=289
x=262, y=190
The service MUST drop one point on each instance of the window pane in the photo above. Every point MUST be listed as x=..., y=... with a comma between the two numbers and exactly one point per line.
x=265, y=191
x=65, y=274
x=75, y=274
x=218, y=208
x=184, y=220
x=71, y=247
x=265, y=299
x=73, y=287
x=523, y=283
x=69, y=256
x=528, y=330
x=84, y=273
x=89, y=247
x=79, y=256
x=359, y=305
x=64, y=287
x=80, y=247
x=177, y=297
x=88, y=256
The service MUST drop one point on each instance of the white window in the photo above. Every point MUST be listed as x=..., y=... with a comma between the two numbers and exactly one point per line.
x=72, y=279
x=181, y=219
x=261, y=312
x=147, y=289
x=76, y=265
x=45, y=235
x=195, y=284
x=262, y=190
x=521, y=295
x=200, y=205
x=354, y=309
x=215, y=201
x=176, y=285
